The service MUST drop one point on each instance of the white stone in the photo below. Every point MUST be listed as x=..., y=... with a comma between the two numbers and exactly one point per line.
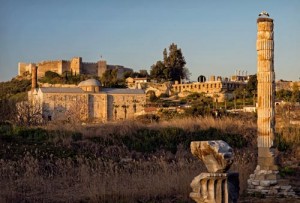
x=273, y=191
x=265, y=183
x=262, y=188
x=285, y=187
x=262, y=172
x=217, y=155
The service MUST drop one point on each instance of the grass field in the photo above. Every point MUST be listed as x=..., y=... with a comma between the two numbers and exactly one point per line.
x=115, y=162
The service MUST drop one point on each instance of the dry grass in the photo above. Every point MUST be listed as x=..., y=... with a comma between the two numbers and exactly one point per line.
x=113, y=173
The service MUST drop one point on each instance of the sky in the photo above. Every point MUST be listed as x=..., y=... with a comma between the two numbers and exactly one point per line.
x=216, y=37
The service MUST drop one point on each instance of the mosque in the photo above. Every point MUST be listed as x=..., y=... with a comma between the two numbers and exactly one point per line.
x=87, y=101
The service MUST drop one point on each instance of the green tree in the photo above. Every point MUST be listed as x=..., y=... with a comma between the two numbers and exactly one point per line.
x=284, y=95
x=199, y=104
x=158, y=71
x=251, y=85
x=143, y=73
x=172, y=67
x=110, y=79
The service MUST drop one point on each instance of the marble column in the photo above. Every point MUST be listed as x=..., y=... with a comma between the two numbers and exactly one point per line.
x=266, y=179
x=265, y=92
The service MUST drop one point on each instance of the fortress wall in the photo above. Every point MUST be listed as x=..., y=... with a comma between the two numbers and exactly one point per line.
x=23, y=67
x=65, y=66
x=89, y=68
x=54, y=66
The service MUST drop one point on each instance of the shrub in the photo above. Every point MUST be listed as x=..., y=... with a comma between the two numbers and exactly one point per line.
x=281, y=144
x=148, y=118
x=35, y=134
x=76, y=136
x=6, y=131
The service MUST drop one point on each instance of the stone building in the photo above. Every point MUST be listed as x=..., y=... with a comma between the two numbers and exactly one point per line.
x=75, y=66
x=87, y=102
x=137, y=83
x=217, y=88
x=287, y=85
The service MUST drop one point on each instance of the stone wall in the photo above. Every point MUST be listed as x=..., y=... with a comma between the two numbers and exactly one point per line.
x=23, y=68
x=97, y=107
x=54, y=66
x=89, y=68
x=124, y=106
x=211, y=88
x=89, y=106
x=57, y=106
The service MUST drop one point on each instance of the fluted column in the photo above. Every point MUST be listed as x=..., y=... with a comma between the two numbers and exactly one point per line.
x=265, y=91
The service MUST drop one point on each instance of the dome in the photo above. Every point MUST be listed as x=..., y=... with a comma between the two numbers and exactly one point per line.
x=89, y=82
x=90, y=85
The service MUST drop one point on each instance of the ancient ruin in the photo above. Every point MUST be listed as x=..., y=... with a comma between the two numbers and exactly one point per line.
x=216, y=186
x=266, y=179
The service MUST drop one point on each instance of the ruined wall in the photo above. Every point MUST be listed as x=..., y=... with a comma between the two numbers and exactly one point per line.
x=210, y=88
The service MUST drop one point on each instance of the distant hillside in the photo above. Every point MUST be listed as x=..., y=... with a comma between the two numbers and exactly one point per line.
x=15, y=89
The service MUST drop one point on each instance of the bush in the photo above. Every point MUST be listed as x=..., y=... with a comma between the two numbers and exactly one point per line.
x=281, y=144
x=148, y=118
x=149, y=140
x=34, y=134
x=6, y=131
x=76, y=136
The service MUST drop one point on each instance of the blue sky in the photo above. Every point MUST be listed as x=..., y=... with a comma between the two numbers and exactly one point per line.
x=216, y=37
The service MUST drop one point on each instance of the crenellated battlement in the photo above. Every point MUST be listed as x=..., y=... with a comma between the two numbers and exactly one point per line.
x=89, y=63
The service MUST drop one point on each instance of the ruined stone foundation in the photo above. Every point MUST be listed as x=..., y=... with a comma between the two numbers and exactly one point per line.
x=269, y=183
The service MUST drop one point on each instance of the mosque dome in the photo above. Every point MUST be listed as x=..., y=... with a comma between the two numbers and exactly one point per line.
x=90, y=85
x=89, y=82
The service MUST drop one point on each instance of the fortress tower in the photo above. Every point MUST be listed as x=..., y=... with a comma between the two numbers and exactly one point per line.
x=76, y=65
x=102, y=67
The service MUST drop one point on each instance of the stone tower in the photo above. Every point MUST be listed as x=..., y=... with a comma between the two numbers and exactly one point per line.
x=265, y=91
x=266, y=179
x=76, y=65
x=102, y=67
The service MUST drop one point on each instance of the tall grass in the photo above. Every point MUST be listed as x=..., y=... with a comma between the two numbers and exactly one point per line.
x=101, y=163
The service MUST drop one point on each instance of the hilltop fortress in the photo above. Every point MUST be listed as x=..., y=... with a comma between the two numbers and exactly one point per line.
x=75, y=66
